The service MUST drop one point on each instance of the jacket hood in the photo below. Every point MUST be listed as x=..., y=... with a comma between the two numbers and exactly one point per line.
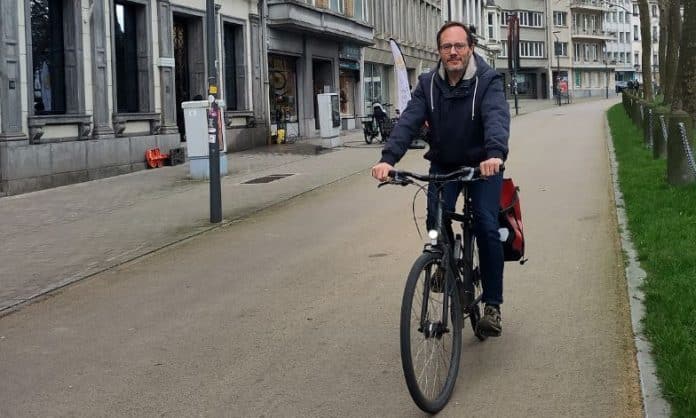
x=476, y=69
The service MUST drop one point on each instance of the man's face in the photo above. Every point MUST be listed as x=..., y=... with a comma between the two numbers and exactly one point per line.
x=454, y=49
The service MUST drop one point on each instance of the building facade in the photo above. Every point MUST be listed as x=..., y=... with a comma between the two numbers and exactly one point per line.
x=413, y=24
x=88, y=86
x=312, y=47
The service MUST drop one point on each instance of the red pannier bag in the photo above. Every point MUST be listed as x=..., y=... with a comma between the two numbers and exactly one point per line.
x=510, y=217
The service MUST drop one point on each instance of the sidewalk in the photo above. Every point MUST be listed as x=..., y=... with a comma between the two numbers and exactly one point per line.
x=55, y=237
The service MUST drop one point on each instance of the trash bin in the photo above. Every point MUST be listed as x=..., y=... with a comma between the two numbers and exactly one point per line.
x=196, y=125
x=329, y=119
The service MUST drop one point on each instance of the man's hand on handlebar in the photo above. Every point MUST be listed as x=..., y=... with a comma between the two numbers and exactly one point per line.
x=489, y=167
x=381, y=171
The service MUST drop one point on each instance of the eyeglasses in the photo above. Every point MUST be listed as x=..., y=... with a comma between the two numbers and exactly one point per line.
x=448, y=47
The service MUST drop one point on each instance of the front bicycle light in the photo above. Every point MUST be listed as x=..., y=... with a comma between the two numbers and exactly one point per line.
x=432, y=234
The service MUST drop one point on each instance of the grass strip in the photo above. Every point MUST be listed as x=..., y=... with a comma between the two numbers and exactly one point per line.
x=662, y=221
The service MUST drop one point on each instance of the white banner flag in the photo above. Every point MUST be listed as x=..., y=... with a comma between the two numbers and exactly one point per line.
x=403, y=91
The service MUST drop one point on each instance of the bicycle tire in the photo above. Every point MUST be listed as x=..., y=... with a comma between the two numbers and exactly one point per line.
x=368, y=137
x=424, y=399
x=472, y=280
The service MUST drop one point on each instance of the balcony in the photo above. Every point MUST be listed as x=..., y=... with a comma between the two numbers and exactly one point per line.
x=595, y=5
x=597, y=35
x=296, y=16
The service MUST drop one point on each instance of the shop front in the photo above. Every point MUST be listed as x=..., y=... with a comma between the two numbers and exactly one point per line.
x=348, y=84
x=306, y=59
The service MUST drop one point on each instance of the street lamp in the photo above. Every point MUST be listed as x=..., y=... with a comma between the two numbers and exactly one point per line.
x=606, y=74
x=556, y=48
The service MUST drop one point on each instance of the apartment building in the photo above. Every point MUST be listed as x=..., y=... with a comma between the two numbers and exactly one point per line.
x=533, y=75
x=413, y=24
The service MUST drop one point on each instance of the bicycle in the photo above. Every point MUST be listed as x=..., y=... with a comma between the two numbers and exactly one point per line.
x=446, y=280
x=378, y=123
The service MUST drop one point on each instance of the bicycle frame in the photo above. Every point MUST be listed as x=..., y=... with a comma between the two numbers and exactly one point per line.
x=444, y=249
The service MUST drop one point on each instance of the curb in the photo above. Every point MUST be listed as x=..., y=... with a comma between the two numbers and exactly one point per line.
x=654, y=405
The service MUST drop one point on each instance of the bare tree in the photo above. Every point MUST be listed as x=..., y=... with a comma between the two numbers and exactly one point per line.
x=685, y=87
x=671, y=59
x=646, y=42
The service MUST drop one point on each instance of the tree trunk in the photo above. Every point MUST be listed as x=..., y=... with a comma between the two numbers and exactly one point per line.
x=685, y=87
x=664, y=6
x=671, y=60
x=646, y=42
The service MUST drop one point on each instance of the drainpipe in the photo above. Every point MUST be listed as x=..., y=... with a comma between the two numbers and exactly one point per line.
x=263, y=14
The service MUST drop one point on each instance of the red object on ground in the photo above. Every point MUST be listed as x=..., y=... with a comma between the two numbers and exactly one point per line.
x=155, y=158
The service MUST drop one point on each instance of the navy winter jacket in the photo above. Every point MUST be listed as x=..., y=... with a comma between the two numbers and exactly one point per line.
x=469, y=122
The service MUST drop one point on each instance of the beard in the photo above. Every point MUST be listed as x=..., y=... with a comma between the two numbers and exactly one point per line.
x=458, y=64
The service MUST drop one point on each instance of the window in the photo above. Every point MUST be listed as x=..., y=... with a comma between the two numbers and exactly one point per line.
x=234, y=64
x=621, y=37
x=131, y=57
x=504, y=49
x=524, y=18
x=531, y=49
x=636, y=60
x=337, y=6
x=360, y=10
x=490, y=28
x=537, y=19
x=559, y=18
x=636, y=33
x=654, y=33
x=560, y=49
x=283, y=88
x=635, y=9
x=621, y=17
x=376, y=87
x=654, y=10
x=578, y=53
x=48, y=56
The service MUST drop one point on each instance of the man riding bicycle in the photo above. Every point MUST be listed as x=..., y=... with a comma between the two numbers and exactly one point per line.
x=463, y=101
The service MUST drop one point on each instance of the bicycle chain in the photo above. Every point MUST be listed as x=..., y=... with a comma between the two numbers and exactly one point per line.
x=687, y=147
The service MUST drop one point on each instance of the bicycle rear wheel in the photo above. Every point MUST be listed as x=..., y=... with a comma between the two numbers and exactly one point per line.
x=430, y=350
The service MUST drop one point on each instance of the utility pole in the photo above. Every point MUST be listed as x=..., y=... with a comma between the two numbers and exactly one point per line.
x=606, y=74
x=214, y=128
x=556, y=49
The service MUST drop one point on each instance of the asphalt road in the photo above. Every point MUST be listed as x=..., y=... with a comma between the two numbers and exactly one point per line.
x=294, y=311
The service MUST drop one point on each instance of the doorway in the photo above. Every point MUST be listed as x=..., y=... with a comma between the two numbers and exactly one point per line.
x=189, y=64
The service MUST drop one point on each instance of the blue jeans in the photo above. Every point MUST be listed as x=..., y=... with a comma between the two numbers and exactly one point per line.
x=485, y=199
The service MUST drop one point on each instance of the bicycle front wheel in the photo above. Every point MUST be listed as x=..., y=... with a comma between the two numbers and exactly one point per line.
x=431, y=338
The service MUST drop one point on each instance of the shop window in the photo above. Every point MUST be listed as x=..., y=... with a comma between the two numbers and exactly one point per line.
x=234, y=73
x=283, y=88
x=131, y=57
x=376, y=88
x=347, y=82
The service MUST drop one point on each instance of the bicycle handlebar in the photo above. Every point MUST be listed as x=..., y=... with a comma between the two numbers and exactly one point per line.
x=465, y=174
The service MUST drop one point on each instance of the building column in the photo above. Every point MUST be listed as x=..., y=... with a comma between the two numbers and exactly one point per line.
x=259, y=94
x=100, y=112
x=166, y=68
x=10, y=78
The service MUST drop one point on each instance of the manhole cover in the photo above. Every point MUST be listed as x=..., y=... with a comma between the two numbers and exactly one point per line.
x=267, y=179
